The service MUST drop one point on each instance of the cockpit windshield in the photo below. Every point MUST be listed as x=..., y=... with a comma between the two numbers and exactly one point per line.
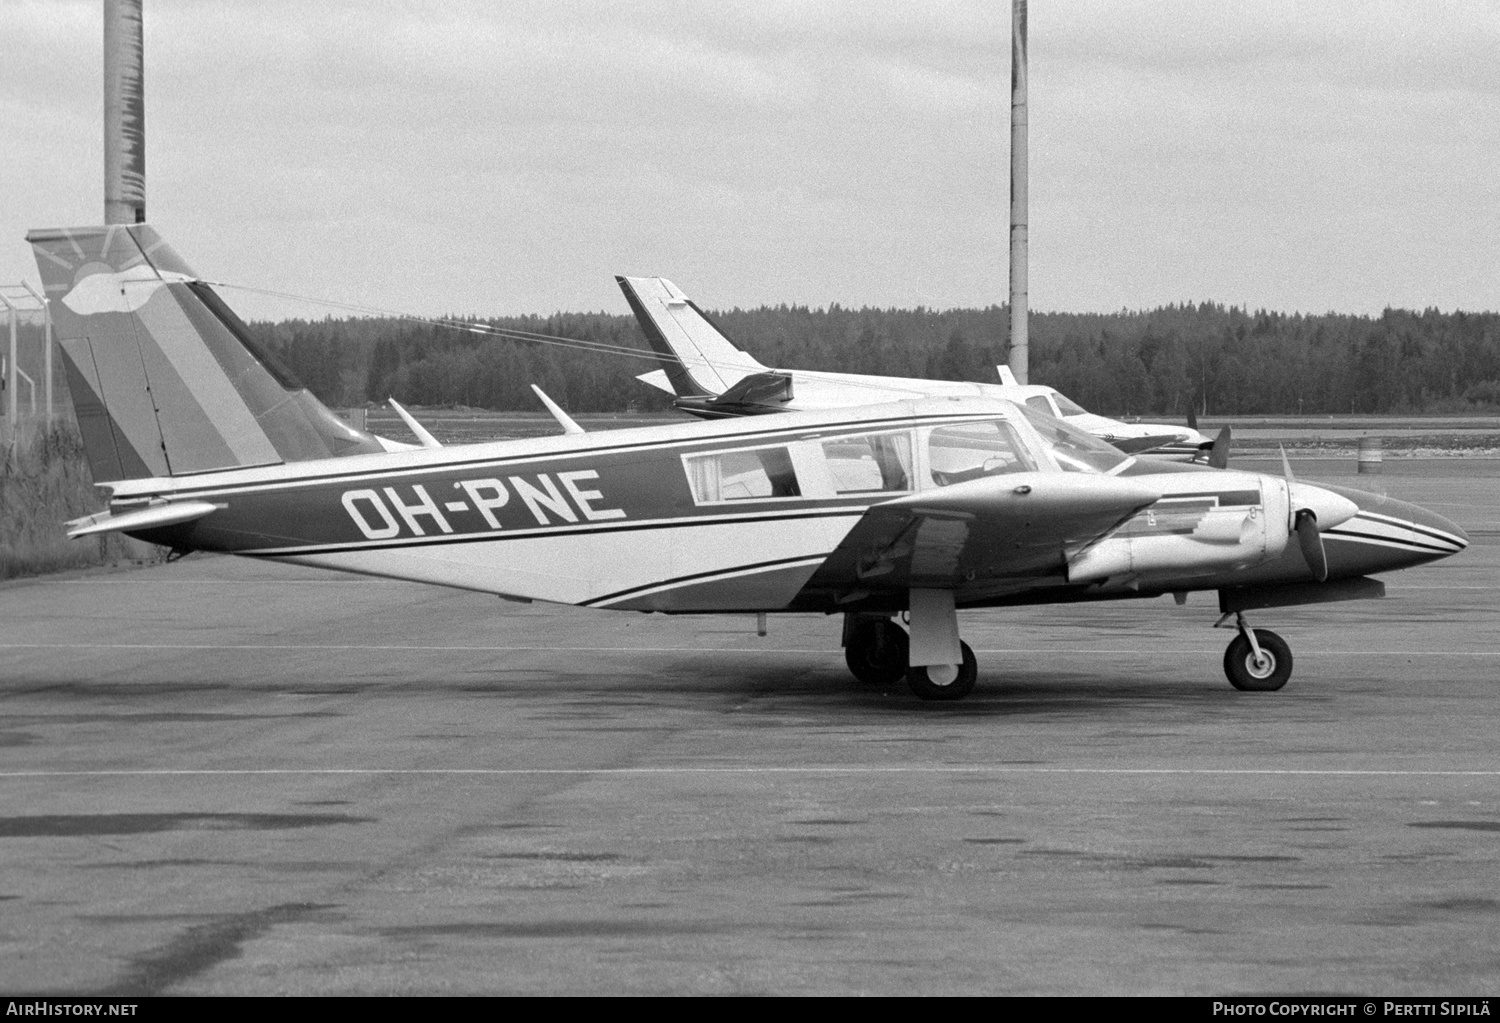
x=1074, y=449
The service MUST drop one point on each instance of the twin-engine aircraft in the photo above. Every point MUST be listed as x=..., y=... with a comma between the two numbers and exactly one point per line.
x=910, y=509
x=711, y=378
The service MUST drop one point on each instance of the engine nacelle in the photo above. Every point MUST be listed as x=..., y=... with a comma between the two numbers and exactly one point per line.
x=1242, y=521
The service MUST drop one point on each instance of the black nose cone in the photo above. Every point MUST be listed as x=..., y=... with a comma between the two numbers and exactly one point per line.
x=1388, y=534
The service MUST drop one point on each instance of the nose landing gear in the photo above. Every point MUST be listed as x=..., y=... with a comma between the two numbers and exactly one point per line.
x=1258, y=660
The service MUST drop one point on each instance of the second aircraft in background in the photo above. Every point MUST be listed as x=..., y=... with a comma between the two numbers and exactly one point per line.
x=713, y=379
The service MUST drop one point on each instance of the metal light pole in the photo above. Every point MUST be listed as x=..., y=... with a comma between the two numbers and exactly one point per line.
x=11, y=396
x=1019, y=343
x=46, y=344
x=124, y=114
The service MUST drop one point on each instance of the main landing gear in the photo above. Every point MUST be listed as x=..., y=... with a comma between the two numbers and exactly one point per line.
x=944, y=681
x=937, y=664
x=1258, y=660
x=875, y=650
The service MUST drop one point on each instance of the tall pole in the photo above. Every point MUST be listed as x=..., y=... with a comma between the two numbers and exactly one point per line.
x=1019, y=343
x=124, y=114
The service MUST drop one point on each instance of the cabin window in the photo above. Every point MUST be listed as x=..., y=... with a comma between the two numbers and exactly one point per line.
x=968, y=451
x=869, y=462
x=753, y=475
x=1041, y=404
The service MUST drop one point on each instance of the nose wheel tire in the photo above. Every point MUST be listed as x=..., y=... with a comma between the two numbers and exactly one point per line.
x=1266, y=675
x=876, y=652
x=944, y=681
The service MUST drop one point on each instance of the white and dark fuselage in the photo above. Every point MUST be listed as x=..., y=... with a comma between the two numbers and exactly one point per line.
x=776, y=513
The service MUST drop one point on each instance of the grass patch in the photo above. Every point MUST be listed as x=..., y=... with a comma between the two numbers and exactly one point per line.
x=44, y=482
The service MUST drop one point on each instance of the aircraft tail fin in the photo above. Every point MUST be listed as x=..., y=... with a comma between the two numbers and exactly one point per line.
x=166, y=380
x=697, y=358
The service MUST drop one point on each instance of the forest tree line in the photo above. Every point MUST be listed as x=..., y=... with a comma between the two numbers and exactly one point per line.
x=1226, y=360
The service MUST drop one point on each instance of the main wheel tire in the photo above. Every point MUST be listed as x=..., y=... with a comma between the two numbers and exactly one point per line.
x=1243, y=671
x=944, y=681
x=876, y=652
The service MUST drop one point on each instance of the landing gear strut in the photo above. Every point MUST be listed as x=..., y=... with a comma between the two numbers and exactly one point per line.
x=1257, y=660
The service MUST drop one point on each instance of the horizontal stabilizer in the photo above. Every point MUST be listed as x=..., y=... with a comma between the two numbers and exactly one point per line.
x=754, y=395
x=1130, y=445
x=658, y=379
x=1218, y=452
x=150, y=517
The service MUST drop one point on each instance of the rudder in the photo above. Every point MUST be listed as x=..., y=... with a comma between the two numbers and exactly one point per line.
x=166, y=380
x=699, y=359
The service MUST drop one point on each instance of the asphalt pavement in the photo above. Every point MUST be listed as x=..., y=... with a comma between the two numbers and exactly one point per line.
x=220, y=776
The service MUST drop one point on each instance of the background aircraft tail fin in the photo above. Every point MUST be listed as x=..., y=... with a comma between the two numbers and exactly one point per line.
x=698, y=359
x=166, y=380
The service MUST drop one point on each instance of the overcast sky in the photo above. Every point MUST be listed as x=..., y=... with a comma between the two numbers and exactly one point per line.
x=499, y=158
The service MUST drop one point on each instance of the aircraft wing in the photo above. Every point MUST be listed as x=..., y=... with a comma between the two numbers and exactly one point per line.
x=981, y=536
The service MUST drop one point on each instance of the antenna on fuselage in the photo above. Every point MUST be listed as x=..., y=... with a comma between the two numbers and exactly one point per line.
x=427, y=440
x=564, y=420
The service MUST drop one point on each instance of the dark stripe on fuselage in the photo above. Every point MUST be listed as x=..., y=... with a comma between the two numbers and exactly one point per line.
x=1415, y=527
x=1352, y=534
x=700, y=577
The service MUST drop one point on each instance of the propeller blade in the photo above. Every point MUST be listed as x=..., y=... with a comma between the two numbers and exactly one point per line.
x=1192, y=418
x=1286, y=465
x=1311, y=542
